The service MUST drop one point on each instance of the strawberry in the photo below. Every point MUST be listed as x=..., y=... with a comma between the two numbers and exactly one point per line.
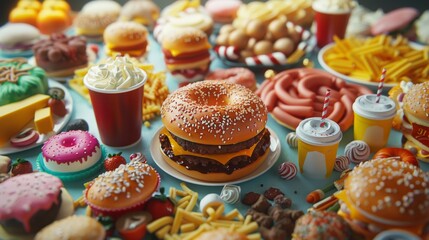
x=21, y=166
x=160, y=205
x=113, y=161
x=57, y=106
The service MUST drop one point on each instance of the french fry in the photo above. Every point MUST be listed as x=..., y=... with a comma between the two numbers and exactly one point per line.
x=162, y=232
x=249, y=228
x=159, y=223
x=254, y=236
x=192, y=202
x=187, y=227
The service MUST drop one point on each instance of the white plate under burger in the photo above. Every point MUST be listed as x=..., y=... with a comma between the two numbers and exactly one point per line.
x=59, y=123
x=271, y=158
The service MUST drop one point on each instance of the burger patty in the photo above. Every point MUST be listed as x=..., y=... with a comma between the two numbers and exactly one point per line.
x=217, y=149
x=206, y=165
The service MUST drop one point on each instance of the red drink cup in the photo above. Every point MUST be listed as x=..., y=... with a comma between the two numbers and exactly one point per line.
x=330, y=23
x=118, y=112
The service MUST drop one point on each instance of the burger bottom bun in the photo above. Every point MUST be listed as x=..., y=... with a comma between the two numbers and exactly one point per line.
x=216, y=177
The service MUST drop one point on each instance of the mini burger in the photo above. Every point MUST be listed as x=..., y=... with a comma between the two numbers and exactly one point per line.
x=186, y=53
x=214, y=131
x=383, y=194
x=122, y=38
x=92, y=25
x=17, y=39
x=415, y=124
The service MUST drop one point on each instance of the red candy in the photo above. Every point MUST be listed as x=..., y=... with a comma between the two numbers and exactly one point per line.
x=25, y=138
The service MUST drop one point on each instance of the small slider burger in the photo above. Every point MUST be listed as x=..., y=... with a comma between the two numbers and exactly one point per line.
x=383, y=194
x=122, y=38
x=186, y=53
x=214, y=131
x=415, y=124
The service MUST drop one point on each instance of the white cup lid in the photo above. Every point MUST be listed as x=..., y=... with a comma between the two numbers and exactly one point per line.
x=310, y=130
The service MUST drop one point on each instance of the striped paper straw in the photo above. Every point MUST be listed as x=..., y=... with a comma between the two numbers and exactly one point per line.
x=325, y=107
x=380, y=85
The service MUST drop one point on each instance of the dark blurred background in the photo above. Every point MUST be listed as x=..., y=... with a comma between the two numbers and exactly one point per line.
x=386, y=5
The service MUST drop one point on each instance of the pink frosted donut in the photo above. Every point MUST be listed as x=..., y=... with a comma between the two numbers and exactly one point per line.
x=242, y=76
x=71, y=151
x=223, y=11
x=287, y=170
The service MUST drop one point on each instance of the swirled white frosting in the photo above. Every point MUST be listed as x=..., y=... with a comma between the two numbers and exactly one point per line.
x=334, y=6
x=118, y=73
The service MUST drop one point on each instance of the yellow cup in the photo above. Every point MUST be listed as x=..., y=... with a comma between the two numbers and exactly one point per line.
x=317, y=147
x=373, y=121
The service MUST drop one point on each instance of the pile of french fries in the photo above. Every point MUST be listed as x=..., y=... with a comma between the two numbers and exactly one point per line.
x=187, y=224
x=364, y=59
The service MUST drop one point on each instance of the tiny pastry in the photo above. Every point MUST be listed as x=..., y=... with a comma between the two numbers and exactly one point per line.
x=230, y=193
x=341, y=163
x=60, y=55
x=25, y=138
x=5, y=164
x=186, y=54
x=287, y=170
x=400, y=153
x=109, y=197
x=102, y=6
x=73, y=227
x=91, y=25
x=17, y=39
x=292, y=140
x=71, y=152
x=123, y=38
x=357, y=151
x=138, y=156
x=26, y=80
x=29, y=202
x=222, y=11
x=242, y=76
x=321, y=225
x=145, y=12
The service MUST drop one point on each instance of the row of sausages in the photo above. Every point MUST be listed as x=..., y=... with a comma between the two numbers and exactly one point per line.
x=296, y=94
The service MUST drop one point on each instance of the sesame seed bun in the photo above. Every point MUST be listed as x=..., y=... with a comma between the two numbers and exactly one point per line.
x=384, y=194
x=184, y=40
x=73, y=227
x=92, y=25
x=125, y=38
x=416, y=104
x=214, y=112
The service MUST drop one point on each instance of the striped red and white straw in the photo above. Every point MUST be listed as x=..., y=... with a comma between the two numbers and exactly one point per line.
x=325, y=106
x=380, y=85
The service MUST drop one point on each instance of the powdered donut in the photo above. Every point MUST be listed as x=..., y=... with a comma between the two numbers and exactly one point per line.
x=287, y=170
x=71, y=151
x=357, y=151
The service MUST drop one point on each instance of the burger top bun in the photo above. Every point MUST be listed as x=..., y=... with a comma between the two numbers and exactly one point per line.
x=416, y=104
x=389, y=192
x=125, y=34
x=221, y=234
x=179, y=40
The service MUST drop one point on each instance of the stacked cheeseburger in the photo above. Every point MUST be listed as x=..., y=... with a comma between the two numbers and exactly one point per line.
x=214, y=131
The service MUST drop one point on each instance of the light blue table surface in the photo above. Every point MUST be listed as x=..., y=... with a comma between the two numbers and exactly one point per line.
x=296, y=189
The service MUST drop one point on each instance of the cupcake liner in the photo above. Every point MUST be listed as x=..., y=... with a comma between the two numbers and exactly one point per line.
x=116, y=213
x=72, y=176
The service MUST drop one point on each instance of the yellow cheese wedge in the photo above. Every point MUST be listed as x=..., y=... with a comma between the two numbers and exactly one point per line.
x=14, y=116
x=222, y=158
x=43, y=120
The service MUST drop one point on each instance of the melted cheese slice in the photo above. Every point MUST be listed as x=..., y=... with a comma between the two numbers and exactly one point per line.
x=222, y=158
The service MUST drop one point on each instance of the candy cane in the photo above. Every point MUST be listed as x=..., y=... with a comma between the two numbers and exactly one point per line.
x=227, y=52
x=271, y=59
